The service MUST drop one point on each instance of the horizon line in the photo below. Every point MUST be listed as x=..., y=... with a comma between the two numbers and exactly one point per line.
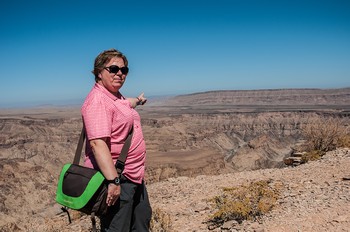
x=79, y=101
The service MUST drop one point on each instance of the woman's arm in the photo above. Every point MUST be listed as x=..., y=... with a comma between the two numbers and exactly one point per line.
x=105, y=163
x=140, y=100
x=103, y=158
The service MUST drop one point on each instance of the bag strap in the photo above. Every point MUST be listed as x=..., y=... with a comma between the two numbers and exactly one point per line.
x=79, y=149
x=119, y=165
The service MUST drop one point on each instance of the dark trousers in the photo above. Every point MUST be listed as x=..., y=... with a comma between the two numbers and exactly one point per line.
x=132, y=212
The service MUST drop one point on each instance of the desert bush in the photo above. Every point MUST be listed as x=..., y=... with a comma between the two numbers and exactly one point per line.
x=344, y=140
x=245, y=202
x=311, y=156
x=161, y=221
x=323, y=135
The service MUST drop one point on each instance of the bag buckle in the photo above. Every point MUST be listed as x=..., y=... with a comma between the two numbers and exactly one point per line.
x=120, y=166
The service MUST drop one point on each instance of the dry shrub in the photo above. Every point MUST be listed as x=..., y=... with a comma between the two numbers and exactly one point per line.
x=311, y=156
x=245, y=202
x=161, y=221
x=344, y=140
x=323, y=135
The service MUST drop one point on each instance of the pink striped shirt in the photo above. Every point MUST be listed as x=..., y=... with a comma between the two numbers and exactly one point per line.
x=108, y=116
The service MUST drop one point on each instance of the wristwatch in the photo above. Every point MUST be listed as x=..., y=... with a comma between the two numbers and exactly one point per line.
x=115, y=181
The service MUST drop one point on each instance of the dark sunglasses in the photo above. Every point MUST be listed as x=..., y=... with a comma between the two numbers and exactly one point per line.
x=115, y=69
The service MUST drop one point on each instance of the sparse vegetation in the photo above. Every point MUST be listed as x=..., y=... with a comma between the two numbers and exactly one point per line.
x=311, y=156
x=245, y=202
x=323, y=135
x=161, y=221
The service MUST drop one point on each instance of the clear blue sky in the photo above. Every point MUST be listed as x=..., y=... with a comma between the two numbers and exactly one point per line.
x=47, y=48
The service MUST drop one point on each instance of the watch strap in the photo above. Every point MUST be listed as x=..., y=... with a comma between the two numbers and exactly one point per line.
x=115, y=181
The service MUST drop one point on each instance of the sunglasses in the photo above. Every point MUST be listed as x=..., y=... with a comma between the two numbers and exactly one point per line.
x=115, y=69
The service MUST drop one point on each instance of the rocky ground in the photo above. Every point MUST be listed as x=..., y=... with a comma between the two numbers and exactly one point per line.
x=313, y=197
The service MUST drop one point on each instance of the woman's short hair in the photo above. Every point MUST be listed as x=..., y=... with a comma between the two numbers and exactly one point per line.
x=103, y=58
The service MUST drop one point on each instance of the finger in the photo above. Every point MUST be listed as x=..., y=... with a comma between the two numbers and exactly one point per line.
x=111, y=201
x=108, y=202
x=141, y=95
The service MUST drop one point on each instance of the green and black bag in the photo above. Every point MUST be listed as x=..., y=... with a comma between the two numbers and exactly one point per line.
x=84, y=189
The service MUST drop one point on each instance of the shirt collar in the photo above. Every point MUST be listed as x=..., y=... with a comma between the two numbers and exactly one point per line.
x=102, y=89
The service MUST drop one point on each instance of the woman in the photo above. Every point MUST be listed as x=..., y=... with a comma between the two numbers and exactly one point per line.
x=108, y=118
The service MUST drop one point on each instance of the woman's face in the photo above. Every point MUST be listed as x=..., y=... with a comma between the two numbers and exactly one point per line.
x=113, y=81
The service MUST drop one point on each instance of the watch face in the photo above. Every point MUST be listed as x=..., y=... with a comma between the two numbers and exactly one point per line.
x=116, y=181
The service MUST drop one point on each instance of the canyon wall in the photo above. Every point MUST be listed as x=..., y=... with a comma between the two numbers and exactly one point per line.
x=182, y=138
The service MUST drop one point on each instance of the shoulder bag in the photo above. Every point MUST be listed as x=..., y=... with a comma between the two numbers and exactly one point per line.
x=85, y=189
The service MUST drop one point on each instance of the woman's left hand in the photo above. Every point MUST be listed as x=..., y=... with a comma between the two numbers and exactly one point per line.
x=140, y=100
x=113, y=194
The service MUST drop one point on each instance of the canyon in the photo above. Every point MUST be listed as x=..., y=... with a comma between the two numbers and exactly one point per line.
x=214, y=133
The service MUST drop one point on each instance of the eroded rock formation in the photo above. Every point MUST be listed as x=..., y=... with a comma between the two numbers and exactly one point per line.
x=182, y=138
